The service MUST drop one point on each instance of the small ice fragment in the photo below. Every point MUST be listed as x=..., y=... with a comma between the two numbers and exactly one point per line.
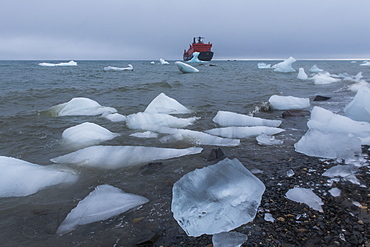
x=112, y=68
x=290, y=173
x=162, y=61
x=306, y=196
x=315, y=69
x=146, y=134
x=268, y=217
x=301, y=74
x=229, y=239
x=335, y=192
x=264, y=66
x=268, y=140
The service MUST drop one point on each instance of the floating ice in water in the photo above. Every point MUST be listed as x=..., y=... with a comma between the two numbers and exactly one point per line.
x=324, y=78
x=229, y=239
x=114, y=117
x=195, y=58
x=21, y=178
x=226, y=118
x=79, y=107
x=164, y=104
x=146, y=134
x=86, y=134
x=152, y=62
x=216, y=198
x=142, y=120
x=356, y=86
x=112, y=68
x=347, y=172
x=285, y=66
x=278, y=102
x=243, y=132
x=315, y=69
x=268, y=217
x=335, y=192
x=70, y=63
x=186, y=68
x=111, y=157
x=359, y=108
x=162, y=61
x=301, y=74
x=103, y=203
x=268, y=139
x=306, y=196
x=264, y=66
x=365, y=63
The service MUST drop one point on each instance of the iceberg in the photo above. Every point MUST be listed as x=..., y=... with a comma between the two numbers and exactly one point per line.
x=305, y=196
x=142, y=120
x=229, y=239
x=301, y=74
x=186, y=68
x=162, y=61
x=365, y=63
x=324, y=78
x=112, y=68
x=86, y=134
x=359, y=108
x=264, y=66
x=21, y=178
x=315, y=69
x=70, y=63
x=278, y=102
x=268, y=140
x=112, y=157
x=103, y=203
x=226, y=118
x=244, y=132
x=216, y=198
x=79, y=107
x=195, y=58
x=285, y=66
x=164, y=104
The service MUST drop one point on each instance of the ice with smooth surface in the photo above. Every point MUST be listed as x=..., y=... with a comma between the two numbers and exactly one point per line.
x=335, y=192
x=186, y=68
x=264, y=66
x=103, y=203
x=285, y=66
x=22, y=178
x=269, y=217
x=114, y=117
x=226, y=118
x=278, y=102
x=306, y=196
x=142, y=120
x=268, y=140
x=146, y=134
x=244, y=132
x=79, y=107
x=86, y=134
x=324, y=78
x=301, y=74
x=347, y=172
x=359, y=108
x=113, y=68
x=162, y=61
x=315, y=69
x=70, y=63
x=216, y=198
x=195, y=58
x=164, y=104
x=111, y=157
x=229, y=239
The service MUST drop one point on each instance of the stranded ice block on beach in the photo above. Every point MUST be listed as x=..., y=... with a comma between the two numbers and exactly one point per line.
x=278, y=102
x=226, y=118
x=305, y=196
x=216, y=198
x=359, y=108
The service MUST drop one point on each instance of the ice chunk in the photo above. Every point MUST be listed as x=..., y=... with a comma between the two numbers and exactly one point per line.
x=288, y=102
x=356, y=86
x=347, y=172
x=103, y=203
x=144, y=120
x=306, y=196
x=111, y=157
x=195, y=58
x=21, y=178
x=112, y=68
x=244, y=132
x=285, y=66
x=79, y=107
x=216, y=198
x=335, y=192
x=290, y=173
x=264, y=66
x=268, y=217
x=162, y=61
x=365, y=63
x=86, y=134
x=315, y=69
x=70, y=63
x=266, y=139
x=186, y=68
x=114, y=117
x=324, y=78
x=229, y=239
x=164, y=104
x=226, y=118
x=146, y=134
x=301, y=74
x=359, y=108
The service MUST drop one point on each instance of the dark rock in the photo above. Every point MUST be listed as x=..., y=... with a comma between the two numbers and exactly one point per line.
x=320, y=98
x=148, y=240
x=295, y=113
x=216, y=154
x=151, y=167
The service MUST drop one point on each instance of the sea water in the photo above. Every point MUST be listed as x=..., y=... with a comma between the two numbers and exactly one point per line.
x=26, y=89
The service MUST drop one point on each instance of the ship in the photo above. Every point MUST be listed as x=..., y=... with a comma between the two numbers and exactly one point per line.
x=205, y=53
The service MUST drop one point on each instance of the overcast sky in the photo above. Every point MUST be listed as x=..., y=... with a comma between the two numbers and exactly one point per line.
x=153, y=29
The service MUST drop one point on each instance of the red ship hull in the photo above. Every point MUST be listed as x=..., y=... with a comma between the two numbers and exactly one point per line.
x=205, y=53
